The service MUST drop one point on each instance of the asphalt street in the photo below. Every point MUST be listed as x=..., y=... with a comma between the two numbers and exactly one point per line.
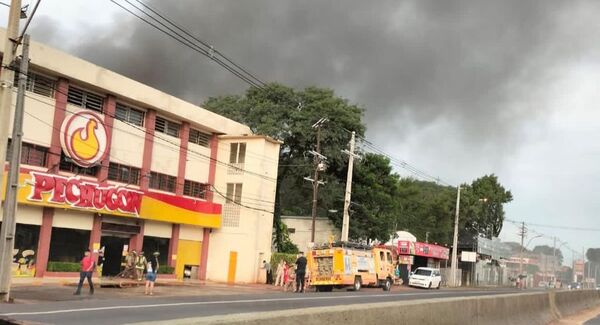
x=90, y=310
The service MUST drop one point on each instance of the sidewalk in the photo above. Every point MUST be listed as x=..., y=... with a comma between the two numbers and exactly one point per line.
x=34, y=290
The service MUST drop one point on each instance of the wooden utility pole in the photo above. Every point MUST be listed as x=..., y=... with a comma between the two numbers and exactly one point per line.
x=7, y=233
x=319, y=166
x=346, y=220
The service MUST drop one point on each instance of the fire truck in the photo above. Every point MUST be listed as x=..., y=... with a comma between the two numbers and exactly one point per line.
x=345, y=264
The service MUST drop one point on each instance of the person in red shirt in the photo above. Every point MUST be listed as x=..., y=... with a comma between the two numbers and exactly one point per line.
x=87, y=269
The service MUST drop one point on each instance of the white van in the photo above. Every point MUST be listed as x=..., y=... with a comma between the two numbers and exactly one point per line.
x=425, y=277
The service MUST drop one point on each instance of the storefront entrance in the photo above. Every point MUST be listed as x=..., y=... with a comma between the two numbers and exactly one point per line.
x=113, y=253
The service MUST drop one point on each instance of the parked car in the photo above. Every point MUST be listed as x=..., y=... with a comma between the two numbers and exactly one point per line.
x=425, y=277
x=575, y=286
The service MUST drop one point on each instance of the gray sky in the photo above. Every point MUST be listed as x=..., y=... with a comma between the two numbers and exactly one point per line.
x=457, y=88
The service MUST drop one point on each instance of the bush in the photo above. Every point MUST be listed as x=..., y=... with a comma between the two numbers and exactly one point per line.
x=165, y=269
x=63, y=267
x=276, y=257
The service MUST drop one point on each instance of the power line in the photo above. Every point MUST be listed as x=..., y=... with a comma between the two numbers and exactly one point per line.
x=188, y=43
x=556, y=227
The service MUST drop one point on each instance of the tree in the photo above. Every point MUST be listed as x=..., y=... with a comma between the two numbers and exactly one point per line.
x=593, y=254
x=547, y=250
x=287, y=114
x=482, y=207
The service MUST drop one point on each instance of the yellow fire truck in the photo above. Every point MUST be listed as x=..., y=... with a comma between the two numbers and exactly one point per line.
x=351, y=265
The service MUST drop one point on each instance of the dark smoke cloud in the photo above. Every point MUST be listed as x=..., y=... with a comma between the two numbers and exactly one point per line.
x=407, y=62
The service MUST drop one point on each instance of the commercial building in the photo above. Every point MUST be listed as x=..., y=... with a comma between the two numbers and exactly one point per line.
x=114, y=165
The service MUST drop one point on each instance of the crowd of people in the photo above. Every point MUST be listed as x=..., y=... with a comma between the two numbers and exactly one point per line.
x=294, y=277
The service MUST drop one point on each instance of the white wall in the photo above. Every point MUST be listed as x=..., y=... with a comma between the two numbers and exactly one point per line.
x=127, y=145
x=157, y=229
x=27, y=214
x=165, y=154
x=303, y=230
x=72, y=219
x=198, y=163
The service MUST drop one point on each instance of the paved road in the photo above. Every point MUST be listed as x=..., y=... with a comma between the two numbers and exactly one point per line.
x=593, y=321
x=91, y=311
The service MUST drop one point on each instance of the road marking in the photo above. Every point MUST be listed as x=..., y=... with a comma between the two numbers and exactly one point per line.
x=225, y=302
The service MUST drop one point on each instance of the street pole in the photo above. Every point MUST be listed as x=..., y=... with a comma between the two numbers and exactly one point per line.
x=318, y=159
x=455, y=240
x=522, y=233
x=12, y=185
x=554, y=261
x=6, y=82
x=346, y=219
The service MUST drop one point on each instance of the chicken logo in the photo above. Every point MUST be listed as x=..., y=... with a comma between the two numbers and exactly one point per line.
x=84, y=138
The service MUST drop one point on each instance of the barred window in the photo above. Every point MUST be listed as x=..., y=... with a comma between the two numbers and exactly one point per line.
x=167, y=127
x=234, y=193
x=162, y=182
x=31, y=154
x=237, y=154
x=66, y=164
x=199, y=137
x=38, y=84
x=85, y=99
x=123, y=173
x=195, y=189
x=129, y=115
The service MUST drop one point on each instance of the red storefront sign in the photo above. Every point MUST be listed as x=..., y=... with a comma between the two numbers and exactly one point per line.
x=82, y=194
x=423, y=249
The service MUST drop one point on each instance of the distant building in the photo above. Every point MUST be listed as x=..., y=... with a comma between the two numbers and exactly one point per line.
x=300, y=230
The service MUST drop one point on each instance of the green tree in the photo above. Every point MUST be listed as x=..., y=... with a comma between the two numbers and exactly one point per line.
x=482, y=207
x=593, y=254
x=287, y=114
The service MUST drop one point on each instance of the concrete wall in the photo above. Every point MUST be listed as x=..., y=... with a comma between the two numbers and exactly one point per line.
x=302, y=227
x=527, y=308
x=247, y=228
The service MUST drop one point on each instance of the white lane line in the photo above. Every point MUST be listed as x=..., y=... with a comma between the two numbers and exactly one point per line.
x=225, y=302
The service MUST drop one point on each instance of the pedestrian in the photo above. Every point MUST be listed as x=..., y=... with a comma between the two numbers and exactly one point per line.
x=300, y=272
x=267, y=267
x=286, y=276
x=130, y=260
x=140, y=266
x=290, y=280
x=152, y=271
x=279, y=274
x=87, y=269
x=100, y=262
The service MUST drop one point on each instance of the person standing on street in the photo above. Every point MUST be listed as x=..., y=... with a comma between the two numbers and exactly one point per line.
x=140, y=265
x=279, y=274
x=87, y=269
x=267, y=267
x=152, y=270
x=300, y=272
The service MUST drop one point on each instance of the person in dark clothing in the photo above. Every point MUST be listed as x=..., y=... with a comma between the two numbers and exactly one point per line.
x=87, y=269
x=300, y=272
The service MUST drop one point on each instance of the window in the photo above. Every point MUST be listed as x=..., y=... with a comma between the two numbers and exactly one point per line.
x=167, y=127
x=85, y=99
x=234, y=193
x=129, y=115
x=66, y=164
x=38, y=84
x=31, y=154
x=291, y=230
x=199, y=137
x=123, y=173
x=162, y=182
x=237, y=154
x=68, y=245
x=195, y=189
x=389, y=257
x=156, y=244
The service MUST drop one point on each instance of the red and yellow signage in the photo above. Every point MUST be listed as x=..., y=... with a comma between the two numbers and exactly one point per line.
x=84, y=138
x=75, y=193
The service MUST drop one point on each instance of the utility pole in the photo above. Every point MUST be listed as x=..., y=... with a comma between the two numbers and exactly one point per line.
x=454, y=265
x=319, y=166
x=427, y=237
x=346, y=220
x=554, y=261
x=12, y=185
x=6, y=84
x=522, y=233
